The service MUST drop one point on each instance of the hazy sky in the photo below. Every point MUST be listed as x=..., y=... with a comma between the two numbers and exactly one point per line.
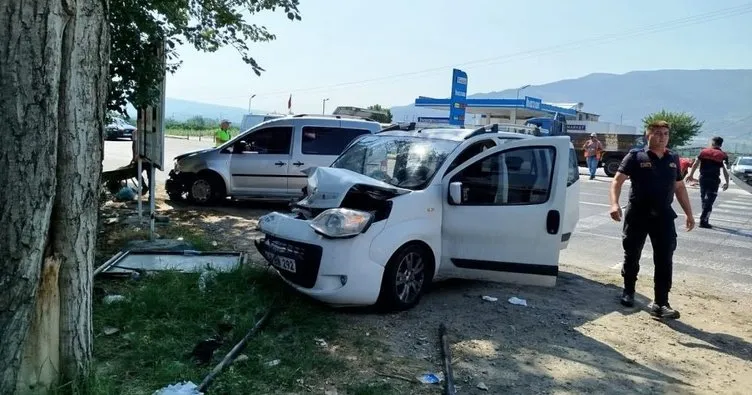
x=359, y=52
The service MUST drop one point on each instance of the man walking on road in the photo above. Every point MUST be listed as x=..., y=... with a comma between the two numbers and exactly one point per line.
x=222, y=135
x=592, y=149
x=711, y=160
x=655, y=176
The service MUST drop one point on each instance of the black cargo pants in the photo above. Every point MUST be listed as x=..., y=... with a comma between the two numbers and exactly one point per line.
x=638, y=225
x=708, y=194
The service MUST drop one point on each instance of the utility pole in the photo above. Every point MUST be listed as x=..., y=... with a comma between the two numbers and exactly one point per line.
x=323, y=106
x=521, y=88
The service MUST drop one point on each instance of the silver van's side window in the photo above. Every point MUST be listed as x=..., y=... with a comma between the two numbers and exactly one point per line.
x=323, y=140
x=270, y=141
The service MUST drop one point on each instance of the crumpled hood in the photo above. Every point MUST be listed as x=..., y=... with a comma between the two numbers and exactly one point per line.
x=191, y=153
x=328, y=186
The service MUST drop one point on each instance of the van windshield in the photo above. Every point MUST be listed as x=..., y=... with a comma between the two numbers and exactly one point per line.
x=406, y=162
x=745, y=162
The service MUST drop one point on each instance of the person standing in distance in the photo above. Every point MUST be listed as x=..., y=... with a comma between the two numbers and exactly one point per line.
x=656, y=177
x=222, y=135
x=711, y=161
x=592, y=149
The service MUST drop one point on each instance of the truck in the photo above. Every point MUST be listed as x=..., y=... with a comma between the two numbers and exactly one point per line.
x=617, y=140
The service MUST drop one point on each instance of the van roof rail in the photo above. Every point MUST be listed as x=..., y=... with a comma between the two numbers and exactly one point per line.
x=483, y=130
x=398, y=126
x=337, y=116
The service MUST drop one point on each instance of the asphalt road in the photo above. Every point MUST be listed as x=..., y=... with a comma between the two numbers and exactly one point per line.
x=723, y=253
x=118, y=153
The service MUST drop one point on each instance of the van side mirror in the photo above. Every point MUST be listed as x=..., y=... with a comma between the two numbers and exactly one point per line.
x=455, y=192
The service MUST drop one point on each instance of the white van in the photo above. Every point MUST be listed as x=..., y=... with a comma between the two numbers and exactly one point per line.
x=266, y=161
x=400, y=209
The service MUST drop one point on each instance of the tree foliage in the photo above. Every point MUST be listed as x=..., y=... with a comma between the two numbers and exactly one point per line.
x=684, y=126
x=386, y=117
x=138, y=26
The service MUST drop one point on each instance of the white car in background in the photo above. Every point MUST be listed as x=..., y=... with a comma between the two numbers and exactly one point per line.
x=399, y=209
x=741, y=172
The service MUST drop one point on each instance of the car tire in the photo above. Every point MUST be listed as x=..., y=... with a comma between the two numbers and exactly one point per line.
x=205, y=189
x=611, y=166
x=413, y=263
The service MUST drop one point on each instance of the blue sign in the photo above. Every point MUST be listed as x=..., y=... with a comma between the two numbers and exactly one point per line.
x=533, y=103
x=458, y=98
x=441, y=120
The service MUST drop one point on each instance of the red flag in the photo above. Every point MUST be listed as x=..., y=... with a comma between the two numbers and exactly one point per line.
x=289, y=102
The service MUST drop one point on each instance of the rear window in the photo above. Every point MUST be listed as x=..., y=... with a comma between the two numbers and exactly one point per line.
x=319, y=140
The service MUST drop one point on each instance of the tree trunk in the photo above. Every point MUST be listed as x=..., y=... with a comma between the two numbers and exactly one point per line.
x=53, y=87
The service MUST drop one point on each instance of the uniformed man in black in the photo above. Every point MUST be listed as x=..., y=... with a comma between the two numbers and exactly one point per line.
x=711, y=161
x=655, y=175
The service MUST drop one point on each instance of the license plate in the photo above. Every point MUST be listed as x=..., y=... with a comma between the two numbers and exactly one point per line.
x=285, y=263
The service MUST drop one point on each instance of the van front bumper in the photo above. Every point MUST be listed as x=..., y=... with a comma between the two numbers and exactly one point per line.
x=335, y=271
x=177, y=182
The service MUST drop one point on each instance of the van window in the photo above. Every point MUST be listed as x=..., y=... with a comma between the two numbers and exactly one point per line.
x=574, y=168
x=321, y=140
x=270, y=141
x=519, y=176
x=469, y=152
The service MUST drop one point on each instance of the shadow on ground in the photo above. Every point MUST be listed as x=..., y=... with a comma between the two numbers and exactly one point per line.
x=553, y=344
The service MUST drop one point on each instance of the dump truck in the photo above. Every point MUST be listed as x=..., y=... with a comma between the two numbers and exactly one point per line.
x=617, y=140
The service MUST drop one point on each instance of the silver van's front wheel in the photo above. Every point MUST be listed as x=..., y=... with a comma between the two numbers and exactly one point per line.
x=204, y=190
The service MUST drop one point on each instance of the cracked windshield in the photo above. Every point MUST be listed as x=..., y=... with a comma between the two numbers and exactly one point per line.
x=406, y=162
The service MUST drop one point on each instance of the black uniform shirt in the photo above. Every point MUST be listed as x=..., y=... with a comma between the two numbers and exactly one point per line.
x=653, y=181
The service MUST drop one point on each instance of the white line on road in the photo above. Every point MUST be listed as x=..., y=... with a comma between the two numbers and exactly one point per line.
x=736, y=206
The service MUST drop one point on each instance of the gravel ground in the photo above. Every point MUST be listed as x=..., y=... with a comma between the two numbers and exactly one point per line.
x=574, y=338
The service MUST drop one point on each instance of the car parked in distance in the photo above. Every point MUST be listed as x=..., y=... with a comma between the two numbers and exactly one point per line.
x=265, y=162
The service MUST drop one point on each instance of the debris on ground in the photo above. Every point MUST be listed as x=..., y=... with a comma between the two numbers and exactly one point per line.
x=110, y=330
x=490, y=298
x=431, y=378
x=109, y=299
x=517, y=301
x=184, y=388
x=272, y=363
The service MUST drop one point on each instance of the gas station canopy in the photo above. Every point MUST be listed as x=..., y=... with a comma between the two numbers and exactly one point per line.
x=511, y=109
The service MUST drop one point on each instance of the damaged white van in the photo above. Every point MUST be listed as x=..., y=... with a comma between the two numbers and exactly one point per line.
x=399, y=209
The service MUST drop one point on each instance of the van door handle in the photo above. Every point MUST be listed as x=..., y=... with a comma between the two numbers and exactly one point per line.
x=298, y=163
x=553, y=222
x=280, y=163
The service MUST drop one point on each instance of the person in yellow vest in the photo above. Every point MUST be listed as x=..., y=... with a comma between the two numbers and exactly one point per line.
x=222, y=135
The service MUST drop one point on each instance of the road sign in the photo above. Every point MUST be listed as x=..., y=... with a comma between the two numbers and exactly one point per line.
x=150, y=122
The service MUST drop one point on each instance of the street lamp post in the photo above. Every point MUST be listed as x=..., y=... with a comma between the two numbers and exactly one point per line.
x=521, y=88
x=249, y=103
x=323, y=106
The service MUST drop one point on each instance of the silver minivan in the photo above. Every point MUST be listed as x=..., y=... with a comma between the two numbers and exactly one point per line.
x=265, y=162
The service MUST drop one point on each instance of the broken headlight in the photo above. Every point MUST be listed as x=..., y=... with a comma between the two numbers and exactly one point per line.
x=341, y=222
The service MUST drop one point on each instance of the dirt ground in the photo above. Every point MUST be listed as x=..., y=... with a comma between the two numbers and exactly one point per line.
x=574, y=338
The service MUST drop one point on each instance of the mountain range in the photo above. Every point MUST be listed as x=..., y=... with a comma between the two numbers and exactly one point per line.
x=720, y=98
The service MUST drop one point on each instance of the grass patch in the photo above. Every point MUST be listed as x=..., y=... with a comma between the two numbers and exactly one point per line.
x=166, y=315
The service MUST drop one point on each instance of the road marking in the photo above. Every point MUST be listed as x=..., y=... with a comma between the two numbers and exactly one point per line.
x=737, y=206
x=714, y=218
x=596, y=204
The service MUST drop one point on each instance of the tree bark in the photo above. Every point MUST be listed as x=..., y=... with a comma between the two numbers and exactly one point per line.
x=53, y=87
